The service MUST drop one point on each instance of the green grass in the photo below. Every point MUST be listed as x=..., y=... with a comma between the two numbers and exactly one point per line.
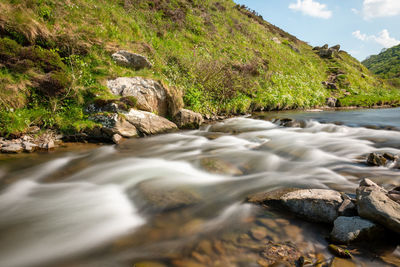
x=220, y=56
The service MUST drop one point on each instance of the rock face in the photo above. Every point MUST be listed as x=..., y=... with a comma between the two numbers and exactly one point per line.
x=151, y=96
x=187, y=119
x=148, y=123
x=131, y=60
x=318, y=205
x=350, y=229
x=374, y=204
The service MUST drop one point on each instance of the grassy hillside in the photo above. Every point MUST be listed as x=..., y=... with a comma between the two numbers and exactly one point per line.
x=55, y=57
x=386, y=65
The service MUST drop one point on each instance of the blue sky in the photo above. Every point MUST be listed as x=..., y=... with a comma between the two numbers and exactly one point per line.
x=361, y=27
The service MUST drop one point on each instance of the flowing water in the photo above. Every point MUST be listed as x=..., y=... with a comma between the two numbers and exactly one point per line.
x=178, y=199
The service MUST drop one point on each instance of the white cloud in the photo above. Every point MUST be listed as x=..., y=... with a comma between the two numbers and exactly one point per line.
x=311, y=8
x=380, y=8
x=383, y=38
x=355, y=11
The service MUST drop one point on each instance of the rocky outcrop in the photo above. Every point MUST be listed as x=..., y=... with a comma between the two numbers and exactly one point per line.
x=131, y=60
x=148, y=123
x=352, y=229
x=151, y=95
x=381, y=159
x=326, y=52
x=373, y=203
x=187, y=119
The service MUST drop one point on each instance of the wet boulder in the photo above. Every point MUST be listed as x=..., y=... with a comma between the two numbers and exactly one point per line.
x=131, y=60
x=373, y=203
x=151, y=96
x=187, y=119
x=352, y=229
x=318, y=205
x=148, y=123
x=376, y=159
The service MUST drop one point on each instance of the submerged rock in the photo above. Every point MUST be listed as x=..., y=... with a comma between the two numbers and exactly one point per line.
x=131, y=60
x=220, y=166
x=319, y=205
x=352, y=229
x=275, y=254
x=188, y=119
x=151, y=95
x=339, y=262
x=373, y=203
x=167, y=198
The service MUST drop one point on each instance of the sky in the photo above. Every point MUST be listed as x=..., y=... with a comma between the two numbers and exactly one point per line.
x=361, y=27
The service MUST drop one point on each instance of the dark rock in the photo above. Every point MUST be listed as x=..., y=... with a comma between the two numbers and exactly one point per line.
x=187, y=119
x=394, y=194
x=325, y=46
x=316, y=48
x=331, y=102
x=374, y=204
x=347, y=208
x=336, y=48
x=330, y=85
x=131, y=60
x=151, y=95
x=326, y=53
x=376, y=159
x=353, y=229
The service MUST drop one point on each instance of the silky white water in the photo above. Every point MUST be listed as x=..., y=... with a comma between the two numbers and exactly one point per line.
x=70, y=207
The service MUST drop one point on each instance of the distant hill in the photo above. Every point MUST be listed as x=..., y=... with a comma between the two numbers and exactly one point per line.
x=55, y=59
x=386, y=65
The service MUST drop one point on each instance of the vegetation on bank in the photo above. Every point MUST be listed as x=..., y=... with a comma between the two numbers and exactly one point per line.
x=386, y=65
x=55, y=58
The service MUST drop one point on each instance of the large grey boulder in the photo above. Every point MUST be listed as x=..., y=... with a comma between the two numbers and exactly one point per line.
x=148, y=123
x=374, y=204
x=318, y=205
x=352, y=229
x=331, y=102
x=188, y=119
x=131, y=60
x=151, y=96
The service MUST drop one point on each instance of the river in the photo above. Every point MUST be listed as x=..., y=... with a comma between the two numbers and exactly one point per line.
x=178, y=199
